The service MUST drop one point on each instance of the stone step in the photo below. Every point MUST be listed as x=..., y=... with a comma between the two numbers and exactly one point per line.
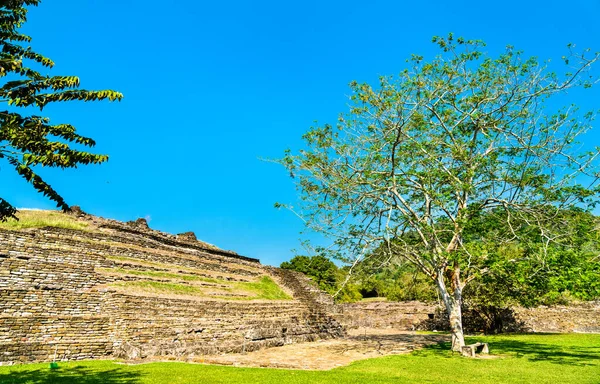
x=83, y=254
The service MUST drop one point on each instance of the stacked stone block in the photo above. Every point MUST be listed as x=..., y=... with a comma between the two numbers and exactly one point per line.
x=56, y=304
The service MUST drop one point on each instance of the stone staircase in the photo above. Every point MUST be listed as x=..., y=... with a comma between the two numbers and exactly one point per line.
x=60, y=294
x=306, y=291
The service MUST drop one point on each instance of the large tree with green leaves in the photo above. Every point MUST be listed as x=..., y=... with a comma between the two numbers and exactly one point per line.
x=421, y=155
x=30, y=141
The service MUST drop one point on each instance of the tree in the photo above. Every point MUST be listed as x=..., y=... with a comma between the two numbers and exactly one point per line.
x=319, y=268
x=395, y=280
x=30, y=141
x=420, y=156
x=527, y=274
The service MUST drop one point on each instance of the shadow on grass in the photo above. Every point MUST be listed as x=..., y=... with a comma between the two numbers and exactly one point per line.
x=569, y=355
x=77, y=374
x=529, y=350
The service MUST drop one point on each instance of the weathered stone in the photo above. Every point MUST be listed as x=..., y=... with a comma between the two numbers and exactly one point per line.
x=583, y=317
x=139, y=223
x=76, y=210
x=471, y=349
x=54, y=298
x=383, y=314
x=187, y=236
x=128, y=351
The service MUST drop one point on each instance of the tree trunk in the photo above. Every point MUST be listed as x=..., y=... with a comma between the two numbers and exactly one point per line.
x=453, y=307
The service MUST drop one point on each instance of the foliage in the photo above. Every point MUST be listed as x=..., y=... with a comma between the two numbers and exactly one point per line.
x=420, y=156
x=378, y=276
x=327, y=276
x=40, y=219
x=368, y=280
x=348, y=293
x=404, y=283
x=524, y=271
x=528, y=274
x=520, y=273
x=539, y=359
x=31, y=141
x=322, y=270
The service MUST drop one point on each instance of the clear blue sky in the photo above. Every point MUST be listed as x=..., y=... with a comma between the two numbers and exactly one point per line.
x=210, y=87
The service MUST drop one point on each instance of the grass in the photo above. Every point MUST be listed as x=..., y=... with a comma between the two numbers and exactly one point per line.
x=539, y=359
x=166, y=275
x=372, y=299
x=165, y=266
x=264, y=289
x=160, y=287
x=40, y=219
x=150, y=263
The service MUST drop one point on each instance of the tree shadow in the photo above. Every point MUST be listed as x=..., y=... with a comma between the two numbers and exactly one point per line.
x=531, y=351
x=491, y=319
x=569, y=355
x=77, y=374
x=487, y=319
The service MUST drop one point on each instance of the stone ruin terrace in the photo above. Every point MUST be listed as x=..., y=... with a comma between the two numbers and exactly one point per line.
x=99, y=288
x=75, y=286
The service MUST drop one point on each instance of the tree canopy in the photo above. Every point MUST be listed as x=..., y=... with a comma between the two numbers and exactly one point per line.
x=421, y=156
x=519, y=273
x=323, y=271
x=30, y=141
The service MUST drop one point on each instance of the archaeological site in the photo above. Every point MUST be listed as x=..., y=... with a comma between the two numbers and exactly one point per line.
x=90, y=288
x=124, y=290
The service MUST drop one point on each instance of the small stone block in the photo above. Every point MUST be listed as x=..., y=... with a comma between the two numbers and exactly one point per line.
x=471, y=349
x=485, y=350
x=468, y=351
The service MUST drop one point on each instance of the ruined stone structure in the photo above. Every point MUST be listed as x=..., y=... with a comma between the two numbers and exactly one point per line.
x=581, y=318
x=414, y=315
x=123, y=290
x=113, y=289
x=409, y=316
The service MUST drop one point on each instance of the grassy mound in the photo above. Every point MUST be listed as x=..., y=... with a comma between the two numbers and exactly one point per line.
x=39, y=219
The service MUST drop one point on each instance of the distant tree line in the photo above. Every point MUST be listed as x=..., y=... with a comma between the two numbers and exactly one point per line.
x=523, y=272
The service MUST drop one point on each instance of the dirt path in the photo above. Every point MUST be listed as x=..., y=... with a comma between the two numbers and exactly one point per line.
x=327, y=354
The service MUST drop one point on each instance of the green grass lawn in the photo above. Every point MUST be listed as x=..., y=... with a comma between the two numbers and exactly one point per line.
x=573, y=358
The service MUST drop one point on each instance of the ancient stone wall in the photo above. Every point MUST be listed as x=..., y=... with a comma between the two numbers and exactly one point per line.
x=408, y=316
x=76, y=294
x=64, y=294
x=583, y=318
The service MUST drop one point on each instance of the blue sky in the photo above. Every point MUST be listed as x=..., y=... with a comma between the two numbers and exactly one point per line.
x=211, y=87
